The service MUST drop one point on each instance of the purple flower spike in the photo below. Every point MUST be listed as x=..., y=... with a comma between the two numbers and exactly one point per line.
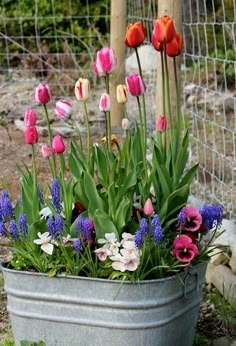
x=56, y=195
x=23, y=224
x=157, y=229
x=3, y=231
x=212, y=215
x=141, y=233
x=6, y=207
x=13, y=229
x=85, y=226
x=77, y=245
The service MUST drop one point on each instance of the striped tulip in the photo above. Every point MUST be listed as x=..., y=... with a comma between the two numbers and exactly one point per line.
x=42, y=94
x=63, y=109
x=30, y=117
x=135, y=84
x=105, y=103
x=105, y=61
x=82, y=89
x=121, y=93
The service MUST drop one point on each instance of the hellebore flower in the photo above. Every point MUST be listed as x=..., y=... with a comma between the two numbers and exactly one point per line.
x=135, y=35
x=184, y=249
x=30, y=118
x=82, y=89
x=161, y=123
x=105, y=61
x=135, y=84
x=164, y=29
x=31, y=135
x=121, y=93
x=42, y=94
x=174, y=47
x=46, y=150
x=189, y=219
x=63, y=109
x=58, y=145
x=212, y=215
x=44, y=241
x=105, y=103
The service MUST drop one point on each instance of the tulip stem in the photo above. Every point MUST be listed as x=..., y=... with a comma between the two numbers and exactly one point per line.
x=108, y=114
x=62, y=166
x=35, y=190
x=88, y=131
x=50, y=141
x=163, y=84
x=142, y=138
x=106, y=128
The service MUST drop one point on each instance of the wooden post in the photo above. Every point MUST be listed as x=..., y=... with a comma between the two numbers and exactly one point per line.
x=118, y=30
x=173, y=8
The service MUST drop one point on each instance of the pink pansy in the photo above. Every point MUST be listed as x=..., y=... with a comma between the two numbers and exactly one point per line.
x=46, y=150
x=161, y=123
x=30, y=117
x=184, y=249
x=189, y=219
x=105, y=103
x=103, y=253
x=148, y=207
x=135, y=84
x=31, y=135
x=105, y=61
x=63, y=109
x=58, y=145
x=42, y=94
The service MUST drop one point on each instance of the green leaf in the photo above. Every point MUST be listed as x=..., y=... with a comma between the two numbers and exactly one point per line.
x=101, y=162
x=103, y=225
x=187, y=179
x=122, y=213
x=52, y=272
x=95, y=201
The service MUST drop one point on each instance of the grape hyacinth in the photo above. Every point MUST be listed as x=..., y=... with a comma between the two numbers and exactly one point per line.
x=157, y=229
x=6, y=207
x=55, y=226
x=212, y=215
x=141, y=233
x=23, y=224
x=77, y=245
x=3, y=230
x=56, y=198
x=85, y=226
x=13, y=229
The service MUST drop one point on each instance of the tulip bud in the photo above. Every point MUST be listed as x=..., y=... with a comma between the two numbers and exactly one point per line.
x=175, y=47
x=135, y=84
x=46, y=151
x=121, y=93
x=58, y=145
x=42, y=94
x=30, y=117
x=105, y=61
x=161, y=123
x=125, y=124
x=105, y=103
x=63, y=109
x=135, y=35
x=148, y=207
x=31, y=135
x=82, y=89
x=164, y=29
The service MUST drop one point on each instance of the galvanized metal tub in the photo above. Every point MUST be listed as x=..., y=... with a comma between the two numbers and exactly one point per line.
x=78, y=311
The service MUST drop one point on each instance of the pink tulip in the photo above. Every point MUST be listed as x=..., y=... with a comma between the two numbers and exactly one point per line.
x=105, y=103
x=30, y=118
x=82, y=89
x=105, y=61
x=46, y=151
x=184, y=249
x=135, y=84
x=63, y=109
x=148, y=207
x=58, y=145
x=42, y=94
x=161, y=123
x=31, y=135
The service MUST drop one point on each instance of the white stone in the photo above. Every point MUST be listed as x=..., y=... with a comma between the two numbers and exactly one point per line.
x=148, y=60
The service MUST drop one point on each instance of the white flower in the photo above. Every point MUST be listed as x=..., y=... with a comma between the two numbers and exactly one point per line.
x=103, y=253
x=130, y=250
x=44, y=241
x=127, y=237
x=125, y=261
x=45, y=213
x=110, y=242
x=119, y=263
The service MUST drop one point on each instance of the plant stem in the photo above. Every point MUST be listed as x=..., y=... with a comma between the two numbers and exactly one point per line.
x=163, y=84
x=88, y=131
x=106, y=128
x=108, y=113
x=66, y=207
x=142, y=138
x=50, y=141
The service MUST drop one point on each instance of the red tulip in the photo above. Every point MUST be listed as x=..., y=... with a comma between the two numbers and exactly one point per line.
x=30, y=117
x=135, y=84
x=105, y=61
x=42, y=94
x=164, y=29
x=156, y=44
x=58, y=145
x=184, y=249
x=135, y=34
x=31, y=135
x=161, y=123
x=175, y=47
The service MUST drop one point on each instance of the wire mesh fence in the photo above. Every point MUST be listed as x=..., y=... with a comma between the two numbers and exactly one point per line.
x=55, y=41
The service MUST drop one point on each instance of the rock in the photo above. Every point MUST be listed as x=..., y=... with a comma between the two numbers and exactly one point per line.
x=223, y=341
x=56, y=130
x=148, y=59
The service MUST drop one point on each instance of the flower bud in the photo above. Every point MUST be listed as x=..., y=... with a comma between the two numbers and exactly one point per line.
x=164, y=29
x=175, y=46
x=42, y=94
x=30, y=117
x=46, y=151
x=125, y=124
x=121, y=93
x=135, y=84
x=105, y=103
x=161, y=123
x=135, y=35
x=31, y=135
x=63, y=109
x=105, y=61
x=58, y=145
x=82, y=89
x=148, y=207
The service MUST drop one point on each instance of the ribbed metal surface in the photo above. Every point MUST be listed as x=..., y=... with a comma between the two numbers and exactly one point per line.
x=74, y=311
